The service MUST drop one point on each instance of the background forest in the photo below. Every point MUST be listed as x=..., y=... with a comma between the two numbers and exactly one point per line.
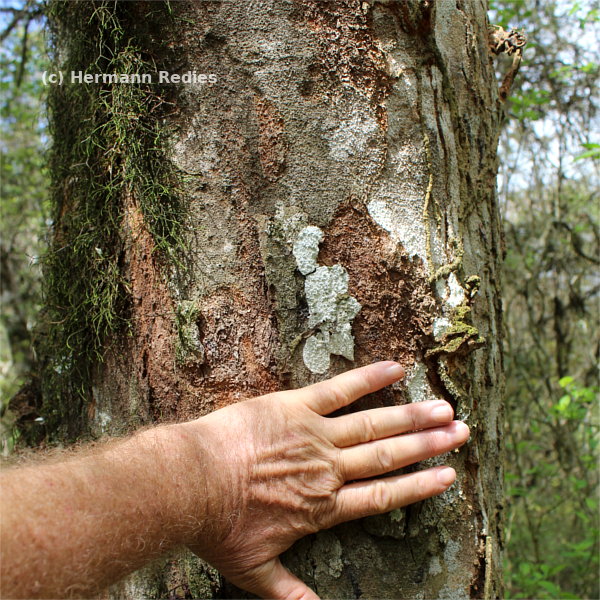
x=549, y=191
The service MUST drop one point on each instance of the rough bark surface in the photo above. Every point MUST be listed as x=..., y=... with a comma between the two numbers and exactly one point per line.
x=377, y=122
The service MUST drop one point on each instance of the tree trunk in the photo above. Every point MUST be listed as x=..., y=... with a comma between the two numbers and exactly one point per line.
x=327, y=202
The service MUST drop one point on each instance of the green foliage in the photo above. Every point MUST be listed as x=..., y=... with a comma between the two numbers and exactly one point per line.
x=528, y=105
x=592, y=151
x=552, y=304
x=555, y=72
x=584, y=14
x=552, y=413
x=554, y=530
x=24, y=208
x=108, y=150
x=575, y=403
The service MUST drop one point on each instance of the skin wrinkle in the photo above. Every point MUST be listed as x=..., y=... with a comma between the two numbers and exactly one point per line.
x=237, y=487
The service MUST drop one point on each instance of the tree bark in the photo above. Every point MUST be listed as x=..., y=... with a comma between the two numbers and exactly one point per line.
x=365, y=132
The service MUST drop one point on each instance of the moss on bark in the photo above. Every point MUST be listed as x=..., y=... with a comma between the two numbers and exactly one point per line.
x=108, y=144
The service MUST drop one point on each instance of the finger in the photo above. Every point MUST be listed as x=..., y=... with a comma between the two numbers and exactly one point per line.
x=329, y=395
x=382, y=456
x=365, y=498
x=378, y=423
x=273, y=580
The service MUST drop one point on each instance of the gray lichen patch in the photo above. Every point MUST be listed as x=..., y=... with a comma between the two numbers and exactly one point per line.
x=417, y=385
x=352, y=136
x=327, y=296
x=316, y=352
x=331, y=308
x=306, y=249
x=328, y=551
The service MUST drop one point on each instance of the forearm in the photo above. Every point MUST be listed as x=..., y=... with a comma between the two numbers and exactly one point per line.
x=71, y=528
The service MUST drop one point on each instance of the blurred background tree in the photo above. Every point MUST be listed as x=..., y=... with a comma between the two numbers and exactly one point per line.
x=549, y=191
x=24, y=194
x=549, y=188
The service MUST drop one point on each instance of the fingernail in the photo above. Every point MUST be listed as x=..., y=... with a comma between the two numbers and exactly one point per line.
x=442, y=413
x=446, y=476
x=394, y=370
x=461, y=431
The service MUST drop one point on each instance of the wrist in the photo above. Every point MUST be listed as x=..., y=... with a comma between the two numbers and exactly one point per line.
x=192, y=482
x=174, y=467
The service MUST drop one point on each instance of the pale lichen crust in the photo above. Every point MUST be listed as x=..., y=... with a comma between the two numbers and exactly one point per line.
x=331, y=308
x=306, y=249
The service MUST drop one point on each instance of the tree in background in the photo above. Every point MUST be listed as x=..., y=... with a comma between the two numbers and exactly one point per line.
x=24, y=204
x=549, y=182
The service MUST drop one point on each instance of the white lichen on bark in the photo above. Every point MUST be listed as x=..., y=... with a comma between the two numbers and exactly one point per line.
x=440, y=326
x=306, y=249
x=331, y=308
x=418, y=388
x=455, y=292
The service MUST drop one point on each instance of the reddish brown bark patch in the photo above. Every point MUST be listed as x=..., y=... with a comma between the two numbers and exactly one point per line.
x=347, y=48
x=238, y=336
x=151, y=348
x=272, y=147
x=397, y=304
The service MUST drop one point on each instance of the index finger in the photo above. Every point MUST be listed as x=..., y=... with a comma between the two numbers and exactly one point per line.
x=339, y=391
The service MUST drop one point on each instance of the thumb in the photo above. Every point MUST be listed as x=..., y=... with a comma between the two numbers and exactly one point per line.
x=273, y=581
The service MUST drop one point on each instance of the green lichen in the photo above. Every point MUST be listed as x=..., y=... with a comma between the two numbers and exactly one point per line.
x=451, y=267
x=472, y=283
x=460, y=338
x=462, y=335
x=428, y=198
x=445, y=377
x=107, y=146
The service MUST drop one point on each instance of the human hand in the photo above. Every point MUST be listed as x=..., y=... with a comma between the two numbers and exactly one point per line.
x=279, y=467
